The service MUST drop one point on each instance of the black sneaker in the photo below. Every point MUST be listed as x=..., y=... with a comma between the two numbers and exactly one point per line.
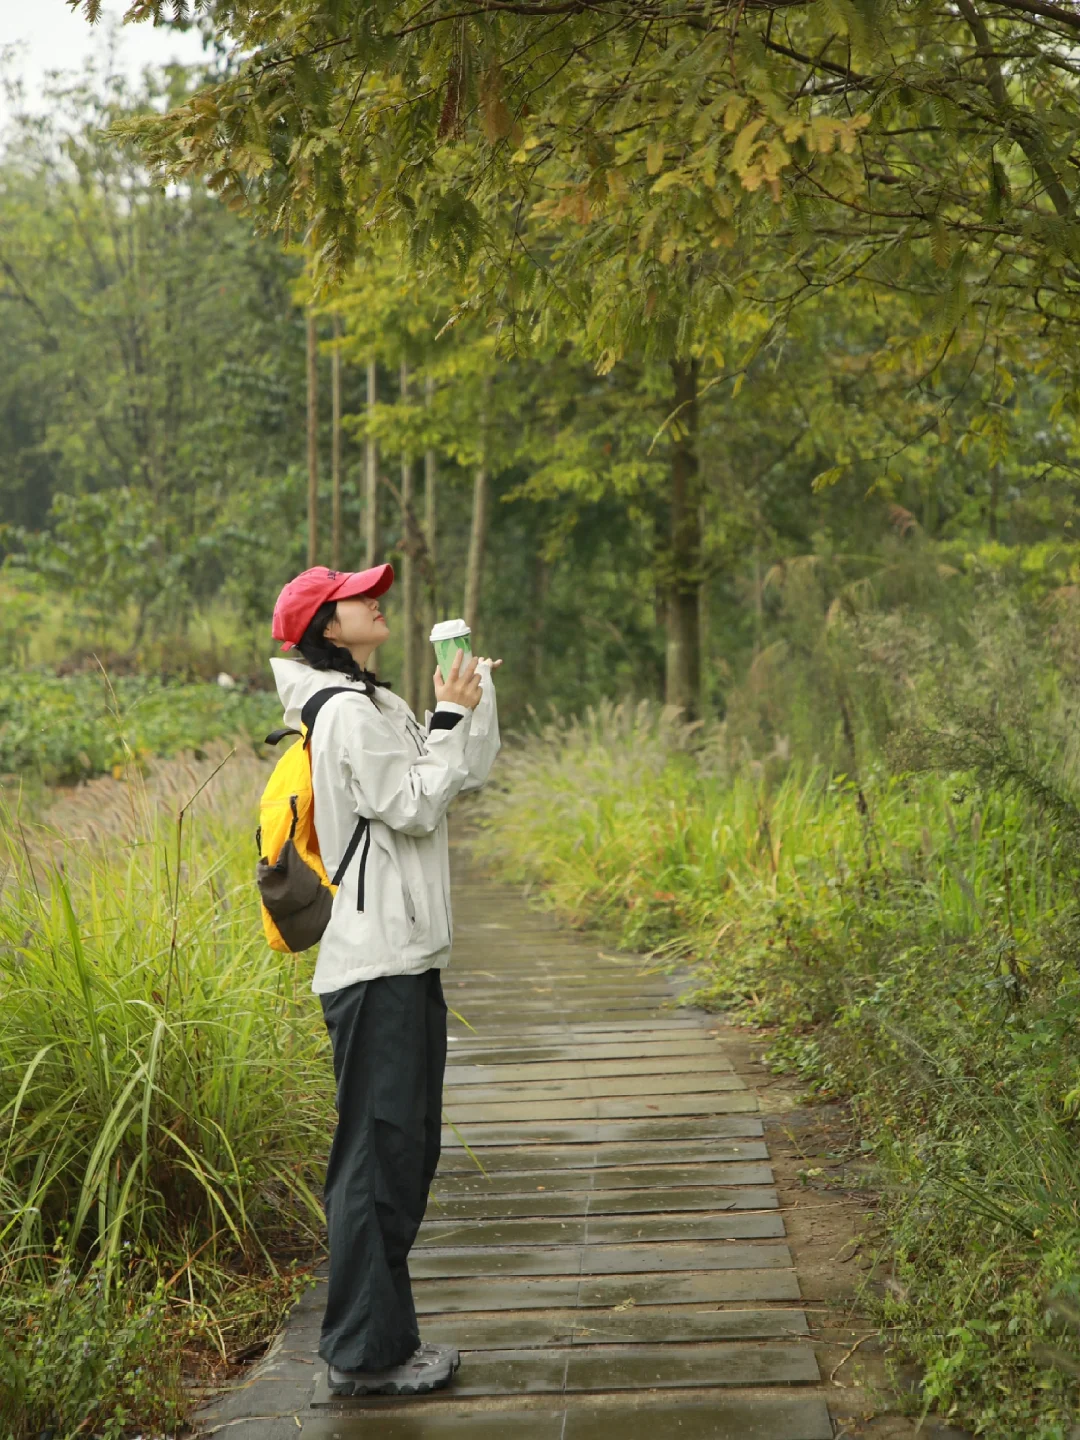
x=431, y=1367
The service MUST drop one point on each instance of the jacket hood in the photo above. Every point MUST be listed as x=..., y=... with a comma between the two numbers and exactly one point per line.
x=297, y=683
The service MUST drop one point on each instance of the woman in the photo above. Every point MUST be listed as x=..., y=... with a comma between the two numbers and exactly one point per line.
x=388, y=938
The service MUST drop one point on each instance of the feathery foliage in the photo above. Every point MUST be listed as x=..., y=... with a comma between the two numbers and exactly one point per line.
x=643, y=170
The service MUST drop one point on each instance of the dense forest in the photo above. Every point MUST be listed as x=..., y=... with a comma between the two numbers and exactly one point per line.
x=718, y=363
x=189, y=416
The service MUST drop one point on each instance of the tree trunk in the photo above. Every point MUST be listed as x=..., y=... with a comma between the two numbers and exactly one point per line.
x=430, y=522
x=930, y=507
x=312, y=439
x=335, y=446
x=759, y=602
x=704, y=633
x=410, y=589
x=474, y=574
x=683, y=657
x=541, y=578
x=372, y=539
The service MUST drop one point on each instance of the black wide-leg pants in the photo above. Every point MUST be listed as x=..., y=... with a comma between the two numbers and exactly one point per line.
x=389, y=1041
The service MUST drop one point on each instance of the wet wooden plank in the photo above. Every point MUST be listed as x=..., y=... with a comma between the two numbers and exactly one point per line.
x=661, y=1367
x=714, y=1287
x=584, y=1069
x=734, y=1102
x=537, y=1132
x=593, y=1038
x=768, y=1417
x=765, y=1417
x=502, y=1053
x=621, y=1086
x=640, y=1324
x=445, y=1263
x=526, y=1159
x=434, y=1423
x=641, y=1367
x=602, y=1202
x=644, y=1177
x=603, y=1229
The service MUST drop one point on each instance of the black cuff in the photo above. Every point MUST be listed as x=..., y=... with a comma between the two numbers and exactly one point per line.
x=444, y=720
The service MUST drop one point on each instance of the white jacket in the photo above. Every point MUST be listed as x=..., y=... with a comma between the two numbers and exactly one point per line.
x=370, y=759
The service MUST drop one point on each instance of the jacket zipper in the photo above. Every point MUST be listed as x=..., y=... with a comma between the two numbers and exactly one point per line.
x=406, y=888
x=417, y=738
x=446, y=912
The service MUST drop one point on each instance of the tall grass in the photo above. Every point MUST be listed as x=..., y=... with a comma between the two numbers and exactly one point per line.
x=914, y=938
x=163, y=1102
x=629, y=816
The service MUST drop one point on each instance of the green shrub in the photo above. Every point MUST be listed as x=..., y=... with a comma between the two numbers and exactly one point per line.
x=75, y=1355
x=21, y=610
x=65, y=728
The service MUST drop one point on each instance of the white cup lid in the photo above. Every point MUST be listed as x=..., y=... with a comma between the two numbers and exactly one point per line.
x=448, y=630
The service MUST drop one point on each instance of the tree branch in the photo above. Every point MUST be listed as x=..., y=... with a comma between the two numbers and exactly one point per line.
x=1071, y=18
x=1029, y=140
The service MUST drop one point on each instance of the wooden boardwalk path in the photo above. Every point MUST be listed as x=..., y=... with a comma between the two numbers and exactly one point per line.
x=620, y=1271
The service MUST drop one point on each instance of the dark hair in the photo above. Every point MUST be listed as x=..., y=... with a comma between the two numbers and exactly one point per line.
x=321, y=653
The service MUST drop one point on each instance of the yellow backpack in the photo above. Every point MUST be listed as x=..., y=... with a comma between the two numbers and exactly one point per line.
x=295, y=891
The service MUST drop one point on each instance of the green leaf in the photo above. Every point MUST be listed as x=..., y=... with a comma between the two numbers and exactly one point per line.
x=826, y=478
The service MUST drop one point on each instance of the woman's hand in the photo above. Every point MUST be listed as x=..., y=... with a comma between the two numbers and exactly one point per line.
x=462, y=685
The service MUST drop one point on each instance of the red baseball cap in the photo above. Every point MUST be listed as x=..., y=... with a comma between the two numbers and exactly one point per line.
x=298, y=601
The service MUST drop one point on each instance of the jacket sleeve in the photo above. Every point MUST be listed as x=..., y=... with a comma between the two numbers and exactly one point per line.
x=482, y=743
x=410, y=793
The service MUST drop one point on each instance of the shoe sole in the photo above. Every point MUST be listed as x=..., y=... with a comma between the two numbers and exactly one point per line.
x=394, y=1387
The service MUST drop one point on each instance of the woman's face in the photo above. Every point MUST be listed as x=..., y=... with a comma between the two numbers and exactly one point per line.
x=358, y=624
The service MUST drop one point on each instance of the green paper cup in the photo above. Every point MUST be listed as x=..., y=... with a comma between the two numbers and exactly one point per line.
x=448, y=637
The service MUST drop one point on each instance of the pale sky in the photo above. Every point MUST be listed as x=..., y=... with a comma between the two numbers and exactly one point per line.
x=51, y=36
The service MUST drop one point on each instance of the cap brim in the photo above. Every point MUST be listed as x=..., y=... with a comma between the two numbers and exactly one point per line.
x=373, y=582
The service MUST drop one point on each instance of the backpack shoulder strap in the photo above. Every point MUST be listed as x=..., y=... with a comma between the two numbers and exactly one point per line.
x=361, y=832
x=310, y=712
x=276, y=736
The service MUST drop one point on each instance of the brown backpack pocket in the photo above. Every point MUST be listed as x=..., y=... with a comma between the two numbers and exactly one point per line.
x=296, y=898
